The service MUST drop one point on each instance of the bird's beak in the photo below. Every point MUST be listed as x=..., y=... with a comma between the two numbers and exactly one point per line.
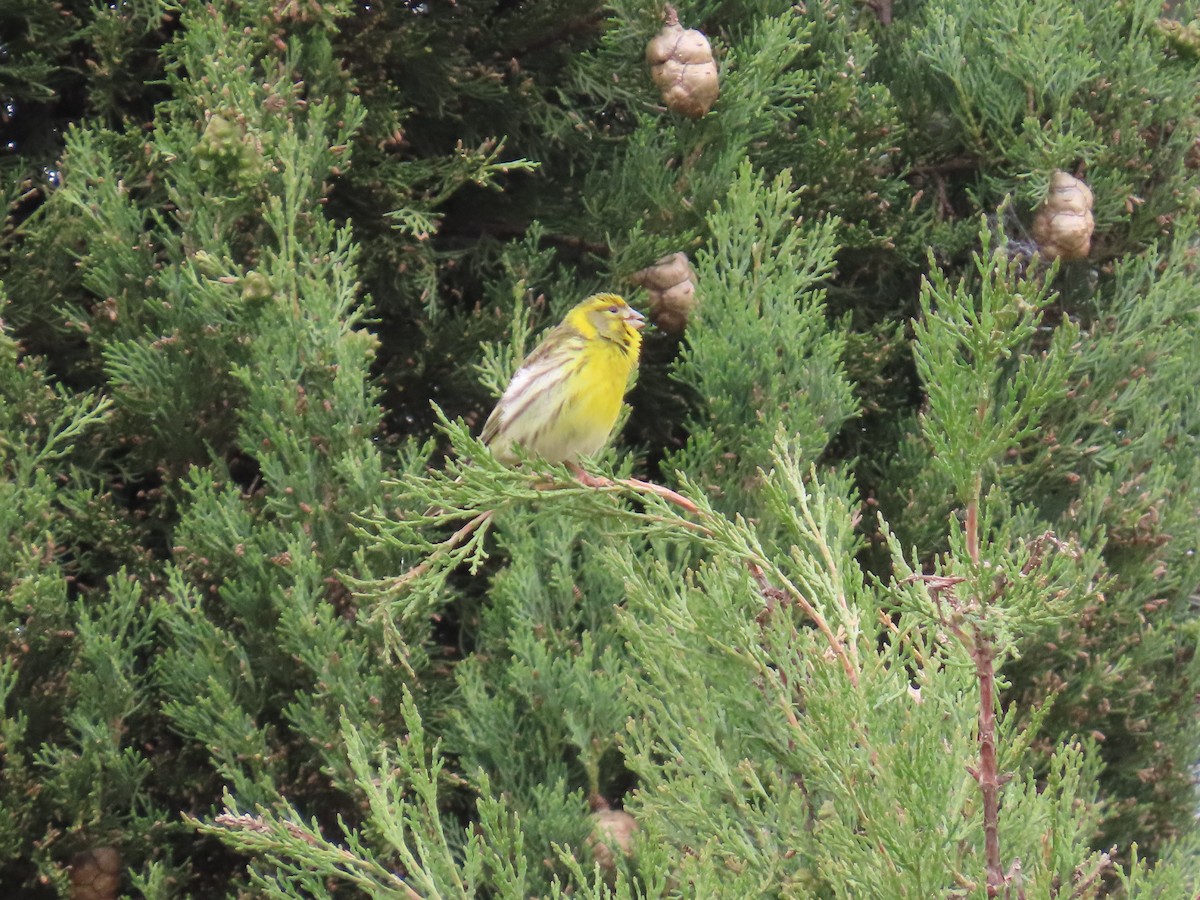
x=634, y=319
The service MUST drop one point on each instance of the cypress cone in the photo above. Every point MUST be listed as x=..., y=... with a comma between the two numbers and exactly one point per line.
x=682, y=66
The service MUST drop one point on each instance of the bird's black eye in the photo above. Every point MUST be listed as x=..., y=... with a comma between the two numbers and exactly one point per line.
x=614, y=309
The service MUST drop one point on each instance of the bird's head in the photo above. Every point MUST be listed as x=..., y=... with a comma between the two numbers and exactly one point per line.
x=609, y=317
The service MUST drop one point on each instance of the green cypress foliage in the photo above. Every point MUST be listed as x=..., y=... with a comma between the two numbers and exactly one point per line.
x=885, y=587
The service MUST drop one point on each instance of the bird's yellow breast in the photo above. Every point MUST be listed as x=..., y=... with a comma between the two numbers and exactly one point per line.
x=606, y=379
x=588, y=412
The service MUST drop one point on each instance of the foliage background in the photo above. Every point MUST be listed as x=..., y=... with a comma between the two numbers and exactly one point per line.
x=247, y=244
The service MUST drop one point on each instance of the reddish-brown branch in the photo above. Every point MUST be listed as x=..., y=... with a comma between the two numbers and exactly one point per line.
x=983, y=651
x=987, y=774
x=658, y=490
x=636, y=485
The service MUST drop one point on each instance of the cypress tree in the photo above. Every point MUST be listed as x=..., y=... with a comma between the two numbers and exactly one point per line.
x=884, y=587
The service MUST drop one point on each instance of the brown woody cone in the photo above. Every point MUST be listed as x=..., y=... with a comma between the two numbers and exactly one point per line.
x=96, y=874
x=612, y=834
x=1063, y=226
x=672, y=288
x=683, y=68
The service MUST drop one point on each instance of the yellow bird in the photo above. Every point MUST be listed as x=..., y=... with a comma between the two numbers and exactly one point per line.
x=564, y=399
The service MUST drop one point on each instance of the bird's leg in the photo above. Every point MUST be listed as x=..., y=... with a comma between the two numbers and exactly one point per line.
x=585, y=479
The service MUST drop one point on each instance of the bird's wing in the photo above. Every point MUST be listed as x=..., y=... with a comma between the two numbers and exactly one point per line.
x=538, y=373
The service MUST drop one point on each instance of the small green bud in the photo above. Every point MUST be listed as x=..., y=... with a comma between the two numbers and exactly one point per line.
x=364, y=341
x=206, y=264
x=256, y=287
x=221, y=138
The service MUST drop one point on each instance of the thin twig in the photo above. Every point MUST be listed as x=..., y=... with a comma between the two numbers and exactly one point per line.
x=886, y=621
x=1085, y=880
x=987, y=773
x=445, y=546
x=972, y=532
x=649, y=487
x=831, y=564
x=983, y=651
x=981, y=646
x=769, y=590
x=636, y=485
x=257, y=825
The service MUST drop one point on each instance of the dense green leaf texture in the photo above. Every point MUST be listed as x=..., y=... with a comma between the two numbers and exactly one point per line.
x=886, y=586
